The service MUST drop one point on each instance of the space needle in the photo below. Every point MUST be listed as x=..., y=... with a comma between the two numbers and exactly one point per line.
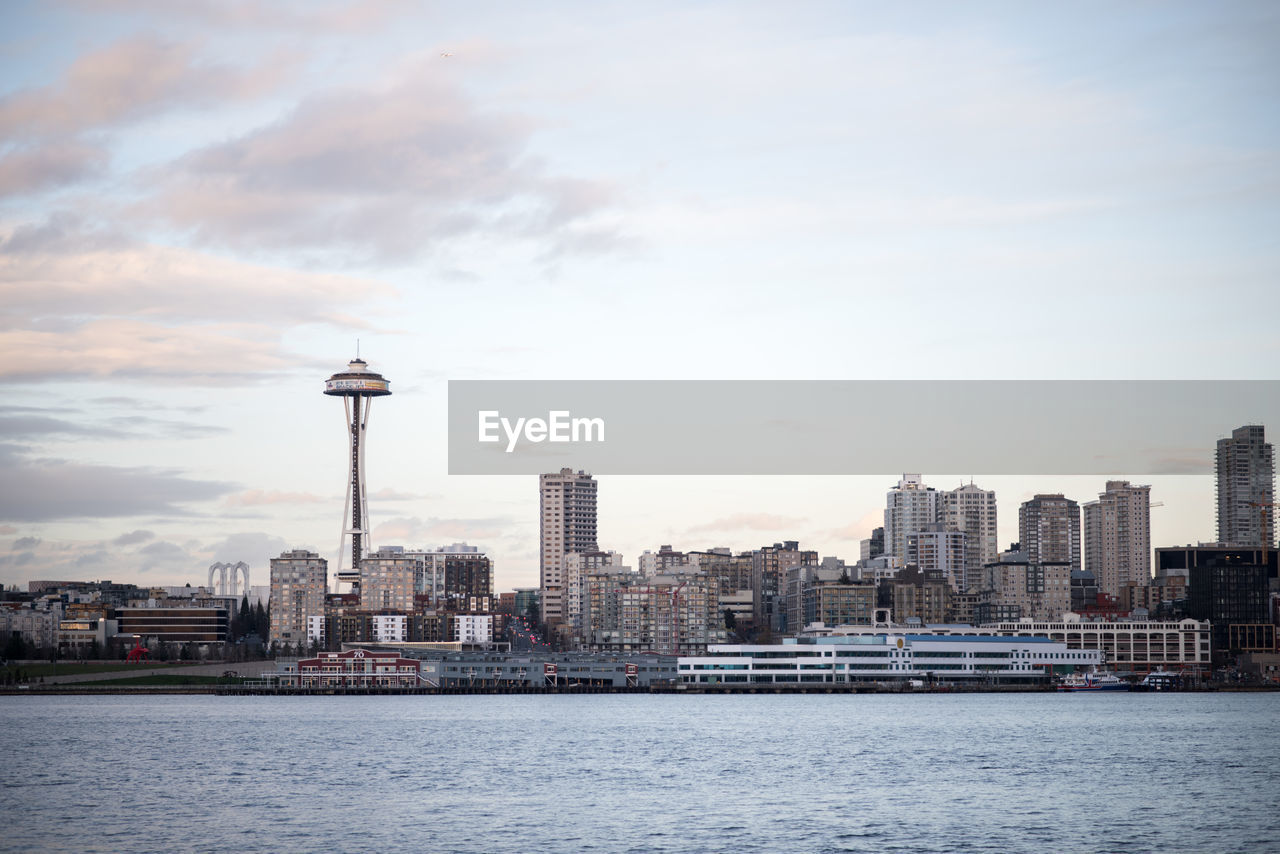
x=357, y=386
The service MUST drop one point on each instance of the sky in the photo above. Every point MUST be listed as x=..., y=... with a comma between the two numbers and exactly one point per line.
x=205, y=205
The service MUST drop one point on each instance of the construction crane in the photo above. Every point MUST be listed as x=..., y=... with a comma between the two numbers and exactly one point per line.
x=1264, y=510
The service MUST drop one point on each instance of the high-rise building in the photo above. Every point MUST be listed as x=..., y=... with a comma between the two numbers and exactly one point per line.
x=936, y=549
x=769, y=565
x=1246, y=472
x=1117, y=537
x=567, y=523
x=971, y=510
x=389, y=578
x=1049, y=530
x=909, y=506
x=577, y=566
x=299, y=582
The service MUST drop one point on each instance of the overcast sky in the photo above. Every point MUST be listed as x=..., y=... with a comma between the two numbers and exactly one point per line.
x=204, y=204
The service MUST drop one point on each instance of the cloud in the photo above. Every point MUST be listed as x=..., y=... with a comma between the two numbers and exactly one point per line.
x=23, y=543
x=381, y=174
x=54, y=133
x=31, y=170
x=28, y=426
x=133, y=538
x=859, y=529
x=76, y=304
x=747, y=522
x=388, y=494
x=127, y=81
x=48, y=489
x=260, y=497
x=415, y=531
x=254, y=15
x=253, y=547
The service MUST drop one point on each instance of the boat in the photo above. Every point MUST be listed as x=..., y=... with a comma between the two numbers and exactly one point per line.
x=1160, y=680
x=1093, y=682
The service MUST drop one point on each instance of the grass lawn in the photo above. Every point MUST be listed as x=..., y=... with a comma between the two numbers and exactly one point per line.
x=163, y=679
x=67, y=668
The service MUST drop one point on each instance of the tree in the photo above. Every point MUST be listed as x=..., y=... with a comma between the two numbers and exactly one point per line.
x=730, y=621
x=16, y=647
x=261, y=621
x=244, y=620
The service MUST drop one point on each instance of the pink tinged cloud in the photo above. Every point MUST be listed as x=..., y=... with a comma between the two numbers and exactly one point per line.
x=262, y=497
x=748, y=522
x=126, y=81
x=153, y=313
x=380, y=173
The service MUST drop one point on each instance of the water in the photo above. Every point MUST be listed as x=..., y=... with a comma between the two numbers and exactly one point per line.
x=638, y=773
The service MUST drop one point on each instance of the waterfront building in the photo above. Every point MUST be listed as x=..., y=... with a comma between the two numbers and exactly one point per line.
x=544, y=670
x=1117, y=536
x=1049, y=530
x=356, y=668
x=1246, y=486
x=1127, y=645
x=299, y=582
x=566, y=524
x=971, y=510
x=885, y=657
x=1225, y=585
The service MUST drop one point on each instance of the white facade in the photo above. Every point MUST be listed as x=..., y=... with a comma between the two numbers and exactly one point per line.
x=390, y=628
x=474, y=628
x=315, y=630
x=885, y=657
x=908, y=508
x=1246, y=477
x=972, y=510
x=1117, y=537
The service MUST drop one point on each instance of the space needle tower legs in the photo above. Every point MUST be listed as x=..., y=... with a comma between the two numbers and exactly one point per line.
x=357, y=385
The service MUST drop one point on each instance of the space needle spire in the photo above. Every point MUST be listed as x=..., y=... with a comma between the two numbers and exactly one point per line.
x=357, y=386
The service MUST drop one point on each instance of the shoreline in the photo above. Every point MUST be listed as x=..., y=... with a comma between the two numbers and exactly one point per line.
x=241, y=691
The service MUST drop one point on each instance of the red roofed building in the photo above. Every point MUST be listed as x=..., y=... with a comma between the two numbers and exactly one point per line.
x=358, y=668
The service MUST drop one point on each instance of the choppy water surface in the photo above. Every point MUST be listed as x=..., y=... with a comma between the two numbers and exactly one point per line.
x=997, y=773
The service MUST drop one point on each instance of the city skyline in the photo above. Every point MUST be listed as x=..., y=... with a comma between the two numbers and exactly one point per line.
x=203, y=208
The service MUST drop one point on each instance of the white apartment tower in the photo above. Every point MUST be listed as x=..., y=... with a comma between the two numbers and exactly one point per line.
x=1117, y=537
x=909, y=506
x=1049, y=530
x=299, y=582
x=971, y=510
x=567, y=523
x=1246, y=474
